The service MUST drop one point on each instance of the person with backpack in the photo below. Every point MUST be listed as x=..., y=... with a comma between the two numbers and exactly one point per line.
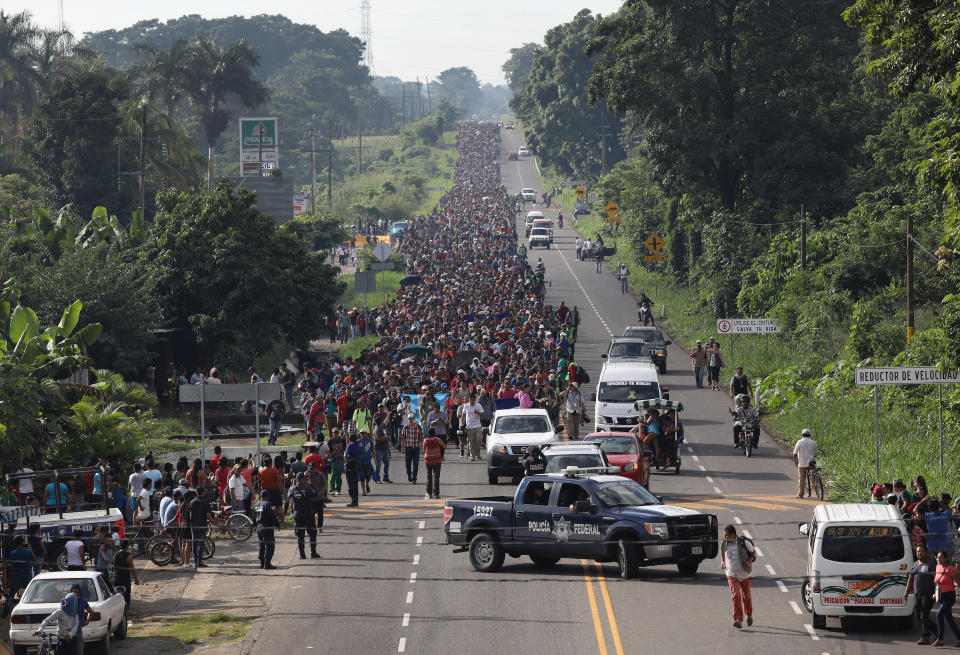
x=573, y=409
x=737, y=555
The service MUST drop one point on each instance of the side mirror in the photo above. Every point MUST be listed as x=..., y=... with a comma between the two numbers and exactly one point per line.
x=660, y=498
x=593, y=397
x=805, y=528
x=120, y=589
x=584, y=507
x=603, y=356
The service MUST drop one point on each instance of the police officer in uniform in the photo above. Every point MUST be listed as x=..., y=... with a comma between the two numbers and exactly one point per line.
x=534, y=463
x=266, y=521
x=302, y=496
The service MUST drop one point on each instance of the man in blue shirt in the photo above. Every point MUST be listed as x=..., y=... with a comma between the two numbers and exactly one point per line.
x=21, y=558
x=50, y=494
x=352, y=466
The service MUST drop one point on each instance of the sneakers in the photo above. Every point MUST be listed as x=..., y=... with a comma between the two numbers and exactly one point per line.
x=314, y=555
x=749, y=620
x=737, y=624
x=427, y=497
x=923, y=641
x=388, y=480
x=938, y=642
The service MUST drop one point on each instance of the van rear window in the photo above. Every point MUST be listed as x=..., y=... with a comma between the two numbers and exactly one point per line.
x=862, y=544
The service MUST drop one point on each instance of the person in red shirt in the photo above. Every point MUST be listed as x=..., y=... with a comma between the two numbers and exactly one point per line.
x=270, y=485
x=223, y=476
x=315, y=418
x=215, y=460
x=433, y=450
x=314, y=458
x=342, y=402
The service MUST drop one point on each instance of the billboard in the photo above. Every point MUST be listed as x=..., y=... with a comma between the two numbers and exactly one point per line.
x=259, y=146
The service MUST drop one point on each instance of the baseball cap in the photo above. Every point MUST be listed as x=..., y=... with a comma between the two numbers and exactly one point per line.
x=805, y=432
x=300, y=476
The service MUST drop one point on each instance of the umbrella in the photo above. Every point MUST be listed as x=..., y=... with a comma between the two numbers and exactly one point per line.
x=411, y=280
x=464, y=358
x=659, y=403
x=415, y=349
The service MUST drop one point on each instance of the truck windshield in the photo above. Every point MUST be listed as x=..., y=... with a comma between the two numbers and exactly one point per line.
x=629, y=349
x=865, y=544
x=652, y=337
x=626, y=392
x=520, y=424
x=625, y=494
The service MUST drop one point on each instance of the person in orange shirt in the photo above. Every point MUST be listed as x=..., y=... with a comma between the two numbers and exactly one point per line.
x=271, y=486
x=433, y=450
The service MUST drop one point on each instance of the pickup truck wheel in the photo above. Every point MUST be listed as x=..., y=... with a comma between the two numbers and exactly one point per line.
x=541, y=561
x=486, y=553
x=492, y=479
x=689, y=568
x=819, y=621
x=627, y=559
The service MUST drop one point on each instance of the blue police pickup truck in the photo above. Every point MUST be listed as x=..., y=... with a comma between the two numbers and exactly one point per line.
x=574, y=514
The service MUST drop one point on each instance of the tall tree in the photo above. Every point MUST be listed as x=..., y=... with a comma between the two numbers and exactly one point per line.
x=517, y=67
x=218, y=75
x=459, y=87
x=164, y=72
x=19, y=79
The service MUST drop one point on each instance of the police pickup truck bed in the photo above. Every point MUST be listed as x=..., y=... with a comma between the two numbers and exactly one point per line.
x=602, y=517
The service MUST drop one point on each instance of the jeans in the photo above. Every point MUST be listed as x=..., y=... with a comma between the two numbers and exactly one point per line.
x=741, y=598
x=275, y=424
x=623, y=285
x=433, y=480
x=199, y=538
x=945, y=613
x=412, y=460
x=579, y=250
x=922, y=612
x=383, y=458
x=698, y=374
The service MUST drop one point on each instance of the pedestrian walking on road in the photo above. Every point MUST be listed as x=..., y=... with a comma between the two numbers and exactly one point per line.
x=737, y=555
x=410, y=441
x=302, y=497
x=579, y=248
x=274, y=412
x=573, y=410
x=920, y=582
x=266, y=521
x=433, y=450
x=623, y=275
x=472, y=413
x=698, y=359
x=351, y=467
x=803, y=453
x=714, y=363
x=337, y=449
x=381, y=446
x=946, y=579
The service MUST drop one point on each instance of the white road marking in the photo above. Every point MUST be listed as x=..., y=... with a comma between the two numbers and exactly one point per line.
x=813, y=634
x=796, y=608
x=409, y=597
x=576, y=279
x=702, y=467
x=402, y=646
x=419, y=541
x=746, y=533
x=737, y=520
x=696, y=459
x=757, y=550
x=717, y=490
x=709, y=479
x=416, y=559
x=406, y=620
x=770, y=569
x=782, y=586
x=422, y=523
x=413, y=577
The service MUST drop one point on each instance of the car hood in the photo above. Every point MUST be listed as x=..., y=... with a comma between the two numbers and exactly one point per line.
x=522, y=438
x=666, y=511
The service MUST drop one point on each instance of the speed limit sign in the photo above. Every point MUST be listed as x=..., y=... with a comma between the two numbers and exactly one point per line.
x=591, y=197
x=723, y=326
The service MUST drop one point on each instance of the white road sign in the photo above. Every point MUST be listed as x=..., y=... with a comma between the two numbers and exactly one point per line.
x=747, y=326
x=382, y=251
x=905, y=375
x=216, y=393
x=591, y=197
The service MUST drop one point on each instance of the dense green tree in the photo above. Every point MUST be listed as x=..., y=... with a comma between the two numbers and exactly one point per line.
x=459, y=86
x=228, y=274
x=72, y=140
x=19, y=79
x=164, y=72
x=558, y=121
x=517, y=67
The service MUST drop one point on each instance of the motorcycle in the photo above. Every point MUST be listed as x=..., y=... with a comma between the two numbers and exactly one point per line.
x=644, y=315
x=748, y=445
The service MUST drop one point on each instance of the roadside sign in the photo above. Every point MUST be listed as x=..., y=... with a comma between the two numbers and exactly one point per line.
x=654, y=243
x=591, y=197
x=654, y=258
x=259, y=145
x=612, y=209
x=299, y=203
x=615, y=219
x=382, y=251
x=576, y=183
x=580, y=191
x=910, y=375
x=747, y=326
x=365, y=281
x=381, y=266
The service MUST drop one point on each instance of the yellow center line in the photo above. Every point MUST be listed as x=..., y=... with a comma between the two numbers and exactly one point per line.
x=614, y=630
x=597, y=626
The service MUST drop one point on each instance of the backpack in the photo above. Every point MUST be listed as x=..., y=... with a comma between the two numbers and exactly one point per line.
x=746, y=558
x=582, y=376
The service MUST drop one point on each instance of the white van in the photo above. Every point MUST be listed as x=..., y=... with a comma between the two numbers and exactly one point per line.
x=621, y=384
x=858, y=556
x=531, y=217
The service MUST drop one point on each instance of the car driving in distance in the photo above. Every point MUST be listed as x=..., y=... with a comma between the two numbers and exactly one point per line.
x=523, y=151
x=399, y=227
x=532, y=216
x=511, y=434
x=619, y=387
x=656, y=343
x=512, y=156
x=624, y=349
x=528, y=194
x=539, y=237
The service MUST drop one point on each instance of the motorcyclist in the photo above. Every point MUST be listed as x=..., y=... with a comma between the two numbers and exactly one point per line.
x=745, y=416
x=541, y=268
x=645, y=313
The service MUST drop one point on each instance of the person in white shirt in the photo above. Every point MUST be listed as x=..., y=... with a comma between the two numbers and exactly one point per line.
x=736, y=559
x=579, y=247
x=26, y=486
x=143, y=502
x=471, y=412
x=803, y=454
x=235, y=484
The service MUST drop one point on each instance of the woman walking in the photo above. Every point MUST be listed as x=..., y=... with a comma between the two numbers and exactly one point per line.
x=946, y=584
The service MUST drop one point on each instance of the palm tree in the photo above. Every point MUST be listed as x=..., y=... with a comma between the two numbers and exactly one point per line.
x=164, y=73
x=19, y=79
x=215, y=75
x=53, y=52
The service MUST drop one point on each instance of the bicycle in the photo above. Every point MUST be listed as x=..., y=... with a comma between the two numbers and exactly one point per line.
x=48, y=642
x=814, y=481
x=226, y=523
x=166, y=549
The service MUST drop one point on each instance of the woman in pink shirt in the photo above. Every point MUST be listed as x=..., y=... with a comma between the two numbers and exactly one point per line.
x=946, y=579
x=526, y=402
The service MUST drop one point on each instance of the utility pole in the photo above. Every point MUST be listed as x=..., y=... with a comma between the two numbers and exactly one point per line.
x=330, y=163
x=403, y=103
x=429, y=101
x=803, y=238
x=419, y=98
x=143, y=156
x=359, y=142
x=313, y=174
x=909, y=277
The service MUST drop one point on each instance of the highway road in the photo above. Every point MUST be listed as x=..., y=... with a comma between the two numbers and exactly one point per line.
x=387, y=583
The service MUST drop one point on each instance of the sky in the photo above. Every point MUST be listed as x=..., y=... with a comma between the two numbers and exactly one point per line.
x=410, y=38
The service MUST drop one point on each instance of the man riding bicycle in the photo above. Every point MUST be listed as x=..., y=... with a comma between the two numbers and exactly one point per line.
x=746, y=416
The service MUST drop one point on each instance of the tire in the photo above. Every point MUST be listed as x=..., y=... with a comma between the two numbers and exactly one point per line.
x=748, y=446
x=806, y=596
x=121, y=632
x=819, y=621
x=486, y=553
x=627, y=559
x=161, y=553
x=492, y=479
x=103, y=646
x=239, y=527
x=688, y=568
x=819, y=487
x=542, y=561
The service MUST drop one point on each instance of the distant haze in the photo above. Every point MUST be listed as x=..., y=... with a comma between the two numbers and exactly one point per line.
x=410, y=39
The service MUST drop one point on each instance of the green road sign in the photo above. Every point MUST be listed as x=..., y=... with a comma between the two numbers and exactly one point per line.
x=256, y=133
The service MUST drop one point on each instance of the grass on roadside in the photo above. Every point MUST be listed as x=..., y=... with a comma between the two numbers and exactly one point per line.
x=387, y=284
x=354, y=347
x=216, y=628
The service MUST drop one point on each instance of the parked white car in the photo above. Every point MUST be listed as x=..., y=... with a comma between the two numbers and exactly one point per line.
x=523, y=151
x=43, y=595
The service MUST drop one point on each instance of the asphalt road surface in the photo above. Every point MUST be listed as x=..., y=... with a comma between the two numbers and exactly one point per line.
x=387, y=582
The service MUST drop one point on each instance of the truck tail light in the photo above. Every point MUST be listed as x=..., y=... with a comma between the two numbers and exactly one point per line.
x=815, y=582
x=20, y=619
x=447, y=514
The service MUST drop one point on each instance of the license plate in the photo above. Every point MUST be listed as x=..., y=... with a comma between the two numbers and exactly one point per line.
x=696, y=550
